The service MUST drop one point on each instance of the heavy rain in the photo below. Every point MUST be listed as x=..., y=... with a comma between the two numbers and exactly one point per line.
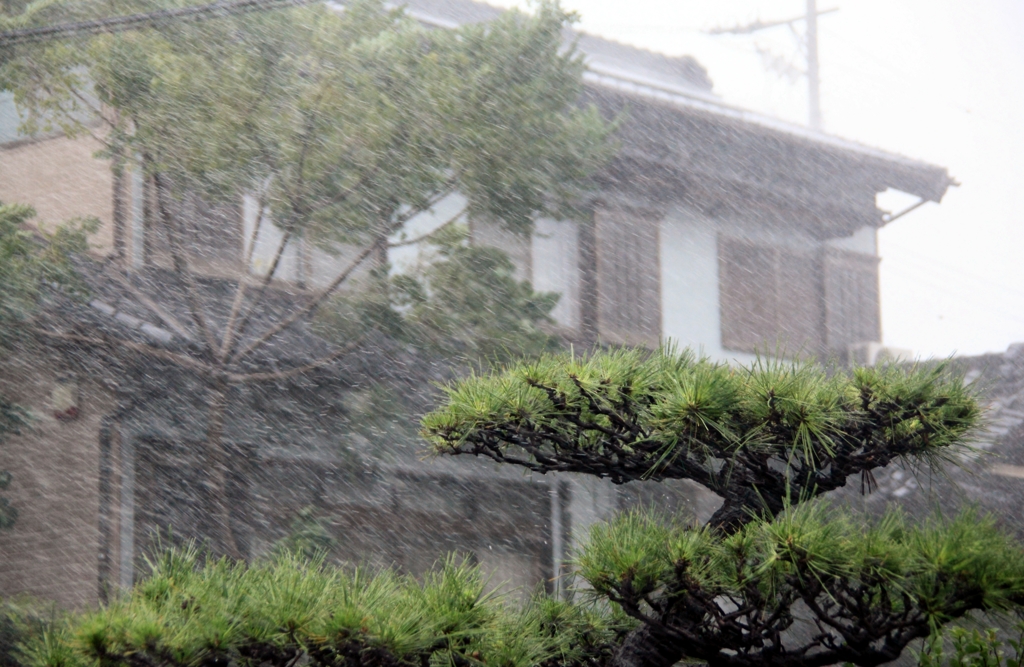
x=439, y=333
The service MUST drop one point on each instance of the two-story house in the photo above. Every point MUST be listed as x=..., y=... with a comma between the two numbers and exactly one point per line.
x=713, y=226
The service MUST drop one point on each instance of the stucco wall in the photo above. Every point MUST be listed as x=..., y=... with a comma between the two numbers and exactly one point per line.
x=555, y=267
x=690, y=311
x=62, y=179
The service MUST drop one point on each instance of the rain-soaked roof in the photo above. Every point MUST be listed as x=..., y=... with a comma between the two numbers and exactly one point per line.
x=991, y=478
x=681, y=83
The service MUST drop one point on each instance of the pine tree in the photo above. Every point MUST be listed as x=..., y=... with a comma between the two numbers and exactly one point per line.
x=770, y=440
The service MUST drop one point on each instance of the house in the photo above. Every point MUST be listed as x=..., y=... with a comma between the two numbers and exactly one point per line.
x=713, y=226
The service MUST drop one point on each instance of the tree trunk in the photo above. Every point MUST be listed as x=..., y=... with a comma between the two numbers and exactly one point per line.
x=216, y=464
x=119, y=211
x=647, y=646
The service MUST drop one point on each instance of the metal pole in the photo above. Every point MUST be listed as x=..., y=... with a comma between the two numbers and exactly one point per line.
x=557, y=547
x=813, y=95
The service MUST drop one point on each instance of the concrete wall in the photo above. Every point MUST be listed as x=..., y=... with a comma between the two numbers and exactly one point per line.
x=52, y=551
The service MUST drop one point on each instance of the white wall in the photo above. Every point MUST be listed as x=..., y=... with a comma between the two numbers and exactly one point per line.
x=267, y=241
x=554, y=252
x=690, y=311
x=690, y=308
x=864, y=240
x=405, y=258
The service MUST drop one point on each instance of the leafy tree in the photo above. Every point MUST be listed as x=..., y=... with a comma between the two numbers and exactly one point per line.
x=343, y=125
x=464, y=302
x=769, y=440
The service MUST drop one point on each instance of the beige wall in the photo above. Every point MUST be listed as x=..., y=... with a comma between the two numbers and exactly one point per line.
x=52, y=550
x=62, y=179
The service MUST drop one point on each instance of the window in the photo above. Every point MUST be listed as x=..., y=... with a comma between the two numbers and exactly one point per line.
x=851, y=299
x=770, y=298
x=628, y=278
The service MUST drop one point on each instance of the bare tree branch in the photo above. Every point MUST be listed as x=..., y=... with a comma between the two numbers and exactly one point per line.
x=158, y=310
x=243, y=271
x=424, y=237
x=327, y=291
x=181, y=265
x=113, y=343
x=298, y=314
x=292, y=372
x=232, y=335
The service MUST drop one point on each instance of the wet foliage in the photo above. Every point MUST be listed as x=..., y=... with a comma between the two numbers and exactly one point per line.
x=30, y=263
x=464, y=304
x=191, y=612
x=760, y=437
x=868, y=589
x=768, y=439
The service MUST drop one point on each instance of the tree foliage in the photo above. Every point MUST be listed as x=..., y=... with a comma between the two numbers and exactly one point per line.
x=343, y=125
x=343, y=121
x=272, y=613
x=768, y=439
x=31, y=260
x=868, y=590
x=760, y=437
x=803, y=585
x=463, y=303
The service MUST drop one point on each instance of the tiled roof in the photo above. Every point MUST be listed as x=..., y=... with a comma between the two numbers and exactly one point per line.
x=992, y=478
x=677, y=81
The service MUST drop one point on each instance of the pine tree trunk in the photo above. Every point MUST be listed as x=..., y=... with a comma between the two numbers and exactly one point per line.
x=216, y=463
x=646, y=647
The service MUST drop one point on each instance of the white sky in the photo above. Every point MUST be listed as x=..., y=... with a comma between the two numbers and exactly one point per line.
x=938, y=80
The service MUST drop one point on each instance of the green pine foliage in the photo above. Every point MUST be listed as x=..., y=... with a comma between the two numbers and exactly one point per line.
x=776, y=576
x=189, y=612
x=762, y=436
x=875, y=587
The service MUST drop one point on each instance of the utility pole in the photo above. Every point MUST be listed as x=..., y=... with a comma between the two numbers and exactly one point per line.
x=810, y=49
x=813, y=82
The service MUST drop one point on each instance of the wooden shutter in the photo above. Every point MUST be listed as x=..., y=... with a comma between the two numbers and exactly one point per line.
x=770, y=298
x=747, y=294
x=799, y=315
x=628, y=277
x=851, y=299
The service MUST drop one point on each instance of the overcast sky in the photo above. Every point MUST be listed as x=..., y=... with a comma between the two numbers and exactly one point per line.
x=937, y=80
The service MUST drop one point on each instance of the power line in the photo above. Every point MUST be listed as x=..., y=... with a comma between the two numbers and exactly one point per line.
x=761, y=25
x=810, y=50
x=146, y=20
